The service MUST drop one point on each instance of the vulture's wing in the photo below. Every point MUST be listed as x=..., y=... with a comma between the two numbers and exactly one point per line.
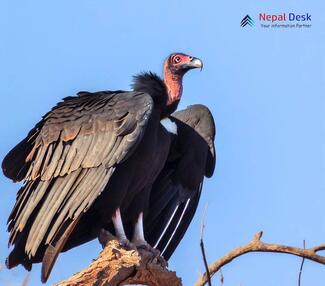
x=176, y=192
x=66, y=162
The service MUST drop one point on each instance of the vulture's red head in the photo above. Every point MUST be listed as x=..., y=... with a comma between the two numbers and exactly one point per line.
x=175, y=66
x=179, y=64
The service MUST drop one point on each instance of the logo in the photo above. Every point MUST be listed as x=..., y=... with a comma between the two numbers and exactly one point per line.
x=247, y=20
x=278, y=20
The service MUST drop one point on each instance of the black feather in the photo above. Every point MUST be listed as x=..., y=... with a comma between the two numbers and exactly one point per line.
x=152, y=84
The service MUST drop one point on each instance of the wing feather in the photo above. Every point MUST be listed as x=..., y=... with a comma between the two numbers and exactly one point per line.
x=52, y=166
x=176, y=192
x=71, y=156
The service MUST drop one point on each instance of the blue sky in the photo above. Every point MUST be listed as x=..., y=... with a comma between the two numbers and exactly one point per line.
x=265, y=88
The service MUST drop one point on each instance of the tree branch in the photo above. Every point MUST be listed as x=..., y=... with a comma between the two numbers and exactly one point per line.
x=203, y=250
x=301, y=267
x=256, y=245
x=118, y=266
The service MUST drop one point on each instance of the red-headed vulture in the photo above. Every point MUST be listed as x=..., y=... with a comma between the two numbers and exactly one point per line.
x=92, y=161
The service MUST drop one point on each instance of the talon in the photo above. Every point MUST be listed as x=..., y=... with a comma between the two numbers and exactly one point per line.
x=143, y=245
x=124, y=242
x=162, y=261
x=104, y=237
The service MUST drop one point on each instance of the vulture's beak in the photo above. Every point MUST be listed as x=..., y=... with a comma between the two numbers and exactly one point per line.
x=194, y=63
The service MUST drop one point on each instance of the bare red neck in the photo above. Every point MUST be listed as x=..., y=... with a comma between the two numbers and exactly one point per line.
x=173, y=82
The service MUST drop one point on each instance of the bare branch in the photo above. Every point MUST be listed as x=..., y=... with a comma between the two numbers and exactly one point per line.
x=318, y=248
x=256, y=245
x=301, y=266
x=26, y=280
x=203, y=250
x=221, y=277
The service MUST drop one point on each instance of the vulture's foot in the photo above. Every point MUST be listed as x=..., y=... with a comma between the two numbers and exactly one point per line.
x=124, y=242
x=141, y=244
x=145, y=248
x=104, y=237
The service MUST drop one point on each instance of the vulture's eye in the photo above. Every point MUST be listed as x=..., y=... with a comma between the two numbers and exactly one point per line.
x=177, y=59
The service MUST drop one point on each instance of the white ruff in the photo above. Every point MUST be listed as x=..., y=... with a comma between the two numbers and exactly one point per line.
x=169, y=125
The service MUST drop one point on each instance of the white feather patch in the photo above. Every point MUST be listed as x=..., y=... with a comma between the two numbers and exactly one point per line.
x=169, y=125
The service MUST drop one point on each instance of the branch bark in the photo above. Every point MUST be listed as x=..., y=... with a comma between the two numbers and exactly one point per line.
x=256, y=245
x=118, y=266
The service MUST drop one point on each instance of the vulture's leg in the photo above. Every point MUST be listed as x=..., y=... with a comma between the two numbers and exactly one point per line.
x=138, y=237
x=105, y=236
x=118, y=225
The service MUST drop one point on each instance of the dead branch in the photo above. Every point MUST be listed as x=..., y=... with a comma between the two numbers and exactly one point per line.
x=301, y=267
x=118, y=266
x=203, y=250
x=26, y=280
x=256, y=245
x=222, y=279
